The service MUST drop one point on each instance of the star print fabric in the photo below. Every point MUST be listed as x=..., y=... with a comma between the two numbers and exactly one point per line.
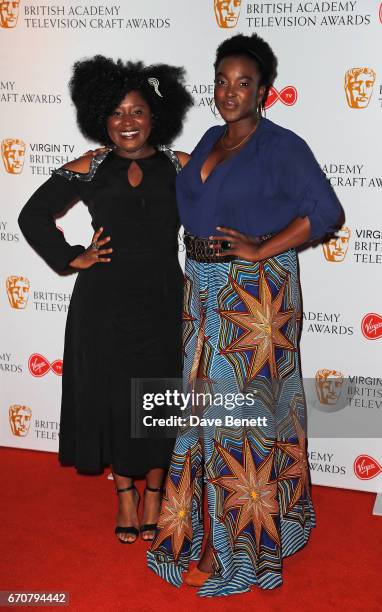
x=241, y=329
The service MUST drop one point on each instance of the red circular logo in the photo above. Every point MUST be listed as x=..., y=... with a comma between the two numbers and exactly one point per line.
x=366, y=467
x=288, y=96
x=39, y=365
x=371, y=326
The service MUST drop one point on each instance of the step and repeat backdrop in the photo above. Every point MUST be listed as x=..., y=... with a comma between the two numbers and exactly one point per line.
x=328, y=90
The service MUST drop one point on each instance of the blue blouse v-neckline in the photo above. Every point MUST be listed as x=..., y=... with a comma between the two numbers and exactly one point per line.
x=224, y=162
x=204, y=159
x=273, y=179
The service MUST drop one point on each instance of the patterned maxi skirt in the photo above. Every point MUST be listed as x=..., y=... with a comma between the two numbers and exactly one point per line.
x=241, y=331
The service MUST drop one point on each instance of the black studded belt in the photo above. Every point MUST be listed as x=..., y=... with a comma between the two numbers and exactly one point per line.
x=199, y=249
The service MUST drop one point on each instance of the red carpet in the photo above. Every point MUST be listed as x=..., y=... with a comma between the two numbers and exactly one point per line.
x=57, y=534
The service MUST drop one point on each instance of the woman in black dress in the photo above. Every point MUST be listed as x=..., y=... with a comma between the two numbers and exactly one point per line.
x=124, y=319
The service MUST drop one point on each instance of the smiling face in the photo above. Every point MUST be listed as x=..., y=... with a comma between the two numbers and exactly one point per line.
x=129, y=126
x=237, y=90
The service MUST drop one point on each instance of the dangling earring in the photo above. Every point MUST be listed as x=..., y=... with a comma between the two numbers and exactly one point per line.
x=259, y=111
x=261, y=105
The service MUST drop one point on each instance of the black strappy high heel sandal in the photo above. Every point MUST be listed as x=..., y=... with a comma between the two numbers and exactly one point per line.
x=150, y=526
x=128, y=530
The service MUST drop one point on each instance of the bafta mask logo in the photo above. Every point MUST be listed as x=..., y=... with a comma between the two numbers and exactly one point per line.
x=336, y=248
x=328, y=386
x=9, y=12
x=13, y=154
x=227, y=12
x=17, y=291
x=19, y=420
x=359, y=84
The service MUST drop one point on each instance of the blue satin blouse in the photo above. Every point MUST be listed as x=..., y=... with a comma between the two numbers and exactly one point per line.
x=272, y=180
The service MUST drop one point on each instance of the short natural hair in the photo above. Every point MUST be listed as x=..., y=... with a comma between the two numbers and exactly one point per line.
x=99, y=84
x=257, y=50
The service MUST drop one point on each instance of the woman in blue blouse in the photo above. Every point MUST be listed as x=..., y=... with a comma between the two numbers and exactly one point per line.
x=251, y=194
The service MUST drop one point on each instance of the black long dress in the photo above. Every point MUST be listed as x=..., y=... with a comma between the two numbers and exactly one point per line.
x=124, y=319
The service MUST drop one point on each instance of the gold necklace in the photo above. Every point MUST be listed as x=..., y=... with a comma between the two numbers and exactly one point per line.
x=241, y=141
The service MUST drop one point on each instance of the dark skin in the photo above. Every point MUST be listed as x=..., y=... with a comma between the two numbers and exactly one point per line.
x=129, y=128
x=238, y=94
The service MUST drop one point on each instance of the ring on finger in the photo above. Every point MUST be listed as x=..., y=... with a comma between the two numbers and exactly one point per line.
x=225, y=245
x=95, y=245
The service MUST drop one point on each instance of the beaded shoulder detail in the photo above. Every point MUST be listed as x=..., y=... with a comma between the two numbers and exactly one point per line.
x=172, y=157
x=94, y=165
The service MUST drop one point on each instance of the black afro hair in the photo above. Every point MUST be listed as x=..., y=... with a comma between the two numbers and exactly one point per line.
x=99, y=84
x=256, y=49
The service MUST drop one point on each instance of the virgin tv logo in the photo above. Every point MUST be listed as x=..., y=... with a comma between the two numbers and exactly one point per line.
x=366, y=467
x=371, y=326
x=287, y=96
x=39, y=365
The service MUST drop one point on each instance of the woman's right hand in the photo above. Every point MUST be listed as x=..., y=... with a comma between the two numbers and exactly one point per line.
x=93, y=253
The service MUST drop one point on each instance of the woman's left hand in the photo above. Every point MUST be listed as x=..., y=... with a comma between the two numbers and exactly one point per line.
x=237, y=244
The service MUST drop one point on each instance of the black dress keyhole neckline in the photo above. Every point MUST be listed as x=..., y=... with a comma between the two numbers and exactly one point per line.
x=134, y=174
